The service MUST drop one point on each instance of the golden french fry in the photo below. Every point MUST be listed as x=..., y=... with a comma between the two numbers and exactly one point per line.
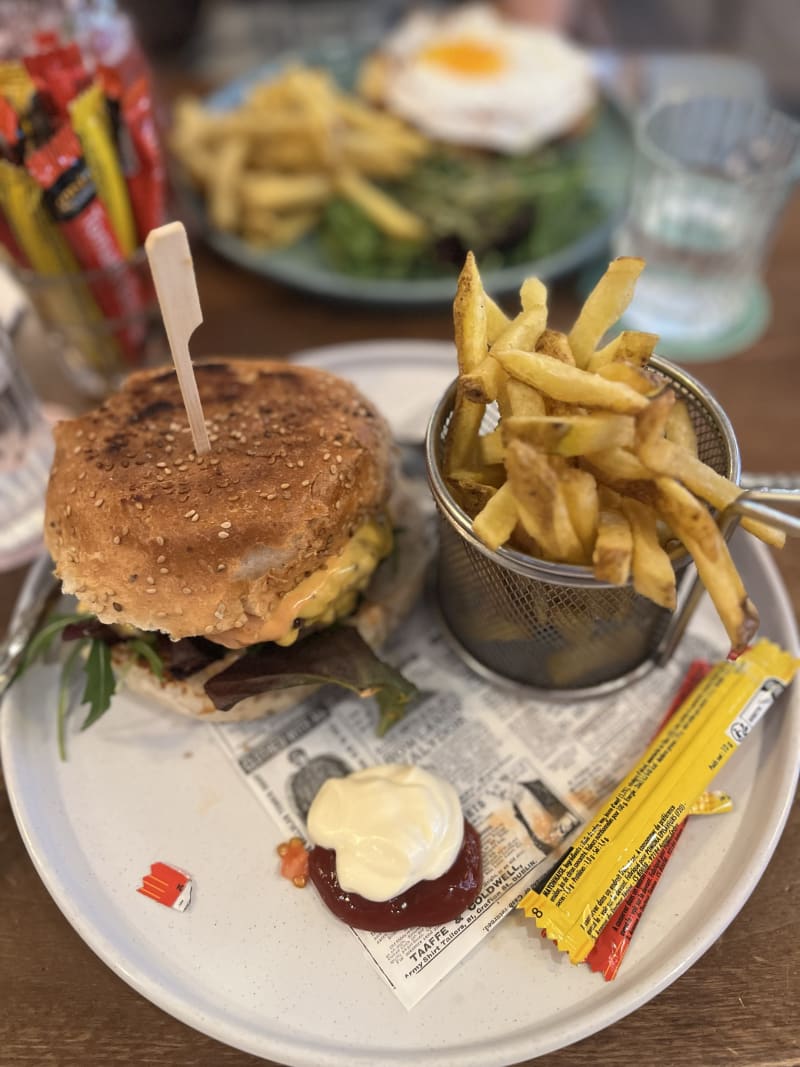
x=223, y=201
x=700, y=534
x=571, y=435
x=278, y=231
x=653, y=574
x=630, y=346
x=541, y=502
x=517, y=398
x=641, y=381
x=613, y=548
x=583, y=505
x=462, y=434
x=484, y=384
x=603, y=307
x=622, y=471
x=554, y=343
x=387, y=214
x=651, y=423
x=533, y=293
x=495, y=523
x=472, y=496
x=469, y=318
x=680, y=428
x=491, y=448
x=570, y=384
x=523, y=331
x=664, y=457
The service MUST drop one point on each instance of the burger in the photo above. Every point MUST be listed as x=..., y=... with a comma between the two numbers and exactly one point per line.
x=227, y=585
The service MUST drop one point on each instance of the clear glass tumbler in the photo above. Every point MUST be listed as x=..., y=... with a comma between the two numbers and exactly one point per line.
x=26, y=452
x=711, y=176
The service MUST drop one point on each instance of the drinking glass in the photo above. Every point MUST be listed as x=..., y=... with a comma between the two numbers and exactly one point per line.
x=711, y=176
x=26, y=452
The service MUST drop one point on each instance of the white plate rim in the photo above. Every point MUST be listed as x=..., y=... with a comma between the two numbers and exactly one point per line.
x=517, y=1048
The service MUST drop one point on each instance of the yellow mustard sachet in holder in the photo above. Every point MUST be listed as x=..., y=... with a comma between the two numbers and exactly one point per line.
x=618, y=846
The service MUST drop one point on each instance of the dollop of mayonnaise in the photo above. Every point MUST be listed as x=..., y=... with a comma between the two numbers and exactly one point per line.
x=391, y=826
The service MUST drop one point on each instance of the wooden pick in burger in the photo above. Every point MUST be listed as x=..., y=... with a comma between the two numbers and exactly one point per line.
x=170, y=259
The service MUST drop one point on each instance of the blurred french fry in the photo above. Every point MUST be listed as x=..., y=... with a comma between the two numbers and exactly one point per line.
x=223, y=199
x=571, y=435
x=570, y=384
x=630, y=346
x=385, y=212
x=277, y=231
x=495, y=523
x=496, y=319
x=680, y=428
x=653, y=574
x=699, y=533
x=541, y=502
x=485, y=382
x=462, y=434
x=472, y=495
x=281, y=192
x=533, y=293
x=603, y=307
x=613, y=547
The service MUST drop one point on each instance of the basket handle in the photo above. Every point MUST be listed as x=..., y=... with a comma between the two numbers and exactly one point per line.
x=752, y=503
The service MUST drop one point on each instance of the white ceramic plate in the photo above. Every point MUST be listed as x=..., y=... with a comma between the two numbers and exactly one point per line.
x=244, y=963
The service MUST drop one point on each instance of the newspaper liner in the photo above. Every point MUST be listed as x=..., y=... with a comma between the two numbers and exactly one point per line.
x=529, y=774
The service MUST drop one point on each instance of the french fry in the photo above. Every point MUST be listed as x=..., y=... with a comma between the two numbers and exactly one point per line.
x=571, y=435
x=517, y=398
x=603, y=307
x=386, y=213
x=491, y=448
x=553, y=343
x=533, y=293
x=700, y=534
x=622, y=471
x=484, y=384
x=469, y=318
x=462, y=434
x=634, y=377
x=680, y=428
x=664, y=457
x=613, y=547
x=541, y=503
x=495, y=522
x=631, y=346
x=523, y=331
x=653, y=574
x=223, y=201
x=285, y=192
x=570, y=384
x=583, y=506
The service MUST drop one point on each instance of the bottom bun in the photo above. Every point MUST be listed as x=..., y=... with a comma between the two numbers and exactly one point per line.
x=390, y=596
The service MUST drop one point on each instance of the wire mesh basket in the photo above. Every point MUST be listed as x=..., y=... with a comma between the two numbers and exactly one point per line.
x=554, y=626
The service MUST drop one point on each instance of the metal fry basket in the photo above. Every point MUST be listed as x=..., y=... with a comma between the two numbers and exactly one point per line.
x=553, y=626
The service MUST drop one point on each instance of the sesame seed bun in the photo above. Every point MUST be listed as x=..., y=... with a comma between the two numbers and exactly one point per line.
x=145, y=532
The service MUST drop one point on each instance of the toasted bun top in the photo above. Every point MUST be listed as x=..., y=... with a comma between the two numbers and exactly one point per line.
x=146, y=532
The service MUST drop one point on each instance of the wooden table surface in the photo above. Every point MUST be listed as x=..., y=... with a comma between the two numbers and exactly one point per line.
x=739, y=1005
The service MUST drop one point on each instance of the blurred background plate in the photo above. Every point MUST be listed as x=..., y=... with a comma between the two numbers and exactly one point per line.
x=605, y=151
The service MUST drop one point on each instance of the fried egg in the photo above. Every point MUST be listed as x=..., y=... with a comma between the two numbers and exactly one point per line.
x=471, y=77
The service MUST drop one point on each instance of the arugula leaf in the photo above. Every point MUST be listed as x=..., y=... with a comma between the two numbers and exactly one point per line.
x=63, y=696
x=337, y=655
x=146, y=651
x=41, y=641
x=100, y=682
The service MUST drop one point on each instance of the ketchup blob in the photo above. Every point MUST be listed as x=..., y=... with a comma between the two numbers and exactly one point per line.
x=428, y=903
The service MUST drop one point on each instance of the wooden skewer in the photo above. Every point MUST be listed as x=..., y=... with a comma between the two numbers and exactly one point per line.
x=171, y=265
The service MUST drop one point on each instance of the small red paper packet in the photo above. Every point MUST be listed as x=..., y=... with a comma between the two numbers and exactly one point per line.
x=167, y=885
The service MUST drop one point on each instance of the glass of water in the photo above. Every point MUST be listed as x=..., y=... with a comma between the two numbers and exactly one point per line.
x=710, y=179
x=26, y=451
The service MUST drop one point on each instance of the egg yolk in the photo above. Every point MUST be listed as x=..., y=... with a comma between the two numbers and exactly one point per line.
x=465, y=56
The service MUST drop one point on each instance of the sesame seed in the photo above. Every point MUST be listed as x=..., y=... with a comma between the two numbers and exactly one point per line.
x=333, y=468
x=150, y=589
x=159, y=539
x=98, y=503
x=189, y=513
x=162, y=465
x=139, y=507
x=209, y=629
x=271, y=496
x=150, y=580
x=76, y=450
x=93, y=493
x=223, y=534
x=68, y=510
x=220, y=566
x=195, y=517
x=306, y=481
x=225, y=525
x=338, y=459
x=284, y=485
x=186, y=590
x=161, y=559
x=326, y=456
x=116, y=539
x=163, y=570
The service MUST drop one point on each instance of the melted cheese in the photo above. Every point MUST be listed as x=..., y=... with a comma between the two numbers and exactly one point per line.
x=331, y=592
